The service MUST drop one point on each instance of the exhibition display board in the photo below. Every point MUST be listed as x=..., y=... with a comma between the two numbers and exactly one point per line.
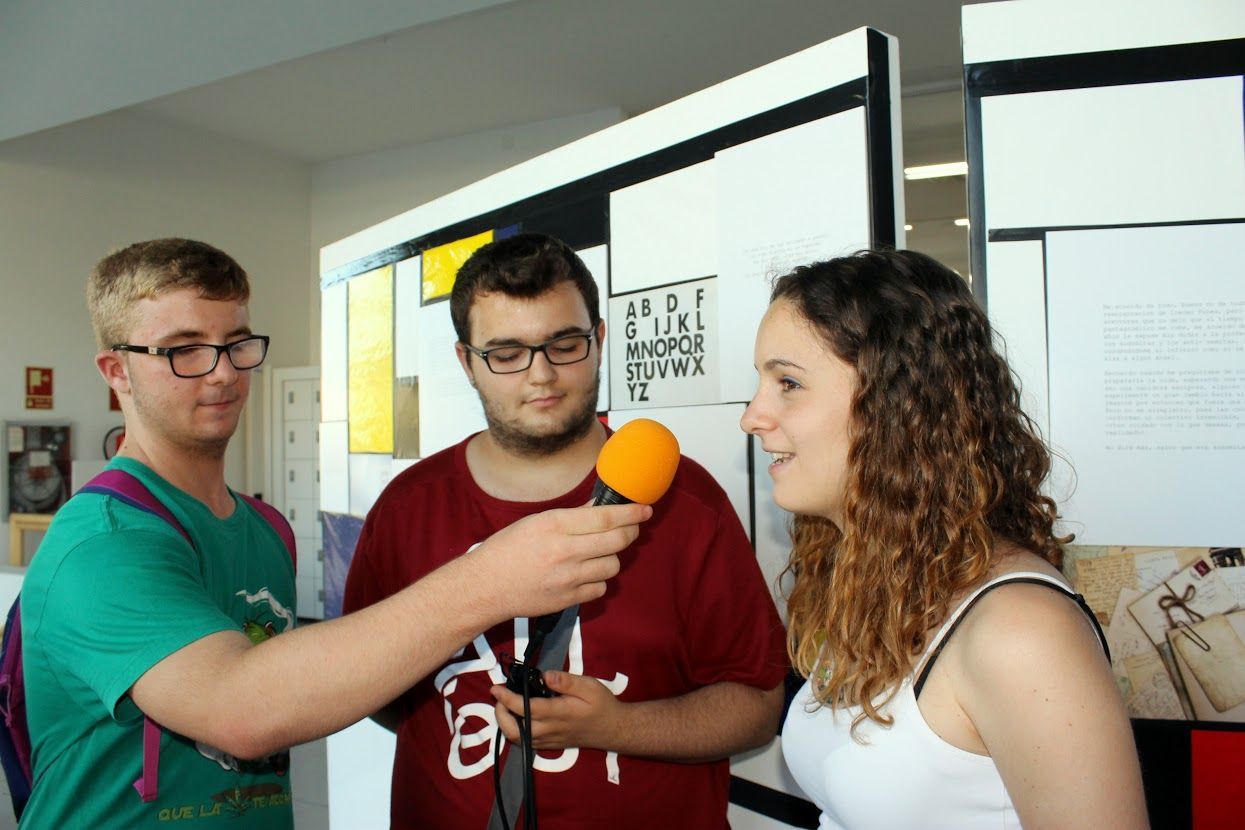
x=1106, y=154
x=683, y=214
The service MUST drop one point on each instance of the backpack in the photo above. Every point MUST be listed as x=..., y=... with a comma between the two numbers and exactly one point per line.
x=14, y=732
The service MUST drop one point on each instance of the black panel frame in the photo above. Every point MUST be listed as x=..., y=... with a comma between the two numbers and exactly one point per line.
x=1120, y=67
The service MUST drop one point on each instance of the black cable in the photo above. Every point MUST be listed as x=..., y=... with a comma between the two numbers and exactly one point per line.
x=528, y=753
x=534, y=645
x=529, y=773
x=529, y=756
x=499, y=738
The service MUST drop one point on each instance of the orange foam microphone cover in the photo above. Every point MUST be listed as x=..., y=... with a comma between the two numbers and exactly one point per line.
x=638, y=461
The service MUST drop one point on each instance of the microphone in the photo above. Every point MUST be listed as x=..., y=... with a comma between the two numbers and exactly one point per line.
x=636, y=465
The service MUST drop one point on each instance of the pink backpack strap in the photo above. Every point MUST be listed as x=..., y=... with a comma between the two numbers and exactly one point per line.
x=125, y=487
x=147, y=783
x=13, y=690
x=277, y=520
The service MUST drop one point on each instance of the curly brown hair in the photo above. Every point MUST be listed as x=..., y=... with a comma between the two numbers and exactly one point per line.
x=943, y=463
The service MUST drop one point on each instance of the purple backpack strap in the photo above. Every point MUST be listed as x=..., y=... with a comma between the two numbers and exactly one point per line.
x=146, y=784
x=121, y=485
x=275, y=518
x=125, y=487
x=13, y=690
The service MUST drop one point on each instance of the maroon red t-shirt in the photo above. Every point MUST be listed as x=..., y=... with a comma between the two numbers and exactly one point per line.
x=688, y=609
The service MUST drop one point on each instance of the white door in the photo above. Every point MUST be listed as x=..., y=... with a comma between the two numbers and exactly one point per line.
x=294, y=471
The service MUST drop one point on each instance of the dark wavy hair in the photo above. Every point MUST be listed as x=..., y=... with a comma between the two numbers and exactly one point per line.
x=943, y=464
x=524, y=265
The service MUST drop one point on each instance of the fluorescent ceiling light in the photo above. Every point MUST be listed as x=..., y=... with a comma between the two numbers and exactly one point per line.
x=936, y=171
x=961, y=223
x=907, y=227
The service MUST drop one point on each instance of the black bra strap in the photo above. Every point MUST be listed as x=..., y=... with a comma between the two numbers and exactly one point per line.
x=1080, y=600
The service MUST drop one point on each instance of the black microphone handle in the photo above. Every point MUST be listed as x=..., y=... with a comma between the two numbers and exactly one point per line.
x=602, y=493
x=543, y=625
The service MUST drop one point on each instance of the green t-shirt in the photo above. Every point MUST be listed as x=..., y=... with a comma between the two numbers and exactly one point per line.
x=112, y=591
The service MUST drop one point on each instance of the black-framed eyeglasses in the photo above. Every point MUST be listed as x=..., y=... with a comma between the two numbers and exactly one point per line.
x=195, y=360
x=560, y=351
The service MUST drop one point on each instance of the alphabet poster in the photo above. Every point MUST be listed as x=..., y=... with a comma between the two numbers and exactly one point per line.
x=664, y=346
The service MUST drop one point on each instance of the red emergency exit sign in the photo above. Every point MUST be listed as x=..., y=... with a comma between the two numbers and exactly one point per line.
x=38, y=387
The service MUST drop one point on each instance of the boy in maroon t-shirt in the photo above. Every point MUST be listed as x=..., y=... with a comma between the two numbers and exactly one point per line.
x=676, y=668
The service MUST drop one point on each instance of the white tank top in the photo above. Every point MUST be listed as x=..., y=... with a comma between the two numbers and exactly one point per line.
x=906, y=776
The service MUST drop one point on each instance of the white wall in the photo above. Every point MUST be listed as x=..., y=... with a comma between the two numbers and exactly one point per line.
x=353, y=193
x=70, y=195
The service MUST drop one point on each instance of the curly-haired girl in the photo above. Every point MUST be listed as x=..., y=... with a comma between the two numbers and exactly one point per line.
x=899, y=442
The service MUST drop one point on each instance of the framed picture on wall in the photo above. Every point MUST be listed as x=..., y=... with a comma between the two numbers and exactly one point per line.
x=37, y=470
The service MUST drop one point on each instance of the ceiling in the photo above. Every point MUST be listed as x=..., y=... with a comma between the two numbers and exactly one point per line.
x=500, y=64
x=531, y=60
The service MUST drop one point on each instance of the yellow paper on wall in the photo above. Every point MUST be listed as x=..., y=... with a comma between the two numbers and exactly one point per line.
x=441, y=264
x=370, y=361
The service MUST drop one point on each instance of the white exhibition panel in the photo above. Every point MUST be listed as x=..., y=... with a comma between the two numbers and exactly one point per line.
x=360, y=773
x=772, y=538
x=1016, y=315
x=407, y=288
x=1138, y=153
x=710, y=436
x=1147, y=382
x=369, y=473
x=335, y=467
x=449, y=409
x=662, y=230
x=401, y=464
x=597, y=261
x=793, y=78
x=1014, y=30
x=334, y=354
x=740, y=818
x=765, y=765
x=1122, y=313
x=785, y=199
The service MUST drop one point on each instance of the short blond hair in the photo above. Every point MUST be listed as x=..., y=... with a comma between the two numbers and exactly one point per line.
x=146, y=270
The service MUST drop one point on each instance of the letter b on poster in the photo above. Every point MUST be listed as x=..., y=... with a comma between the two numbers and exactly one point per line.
x=664, y=347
